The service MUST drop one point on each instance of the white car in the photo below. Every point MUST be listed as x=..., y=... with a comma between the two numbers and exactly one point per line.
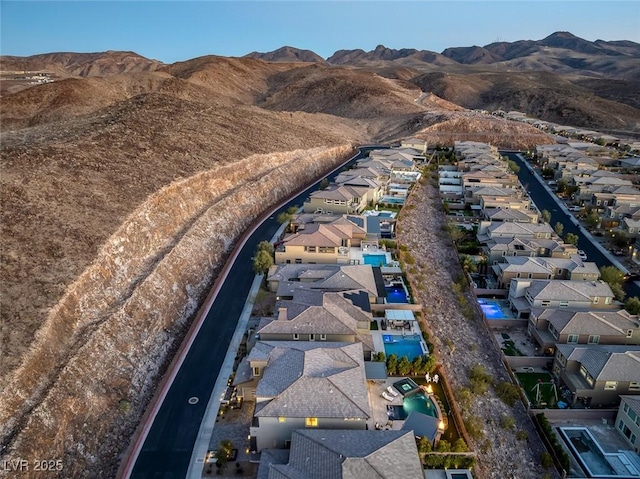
x=582, y=254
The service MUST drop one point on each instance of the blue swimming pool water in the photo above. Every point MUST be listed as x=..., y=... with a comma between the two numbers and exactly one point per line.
x=392, y=200
x=396, y=294
x=401, y=346
x=491, y=309
x=413, y=402
x=375, y=259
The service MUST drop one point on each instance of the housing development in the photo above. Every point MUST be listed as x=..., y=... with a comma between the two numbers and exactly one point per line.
x=338, y=360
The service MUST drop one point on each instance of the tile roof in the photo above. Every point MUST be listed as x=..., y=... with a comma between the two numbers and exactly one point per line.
x=562, y=290
x=633, y=402
x=350, y=454
x=601, y=323
x=606, y=363
x=327, y=277
x=310, y=379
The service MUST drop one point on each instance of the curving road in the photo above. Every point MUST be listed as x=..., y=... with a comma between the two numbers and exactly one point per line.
x=168, y=445
x=547, y=201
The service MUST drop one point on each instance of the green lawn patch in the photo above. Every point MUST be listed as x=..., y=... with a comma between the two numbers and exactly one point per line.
x=509, y=348
x=528, y=381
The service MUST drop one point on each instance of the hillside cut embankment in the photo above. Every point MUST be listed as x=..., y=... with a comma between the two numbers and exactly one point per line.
x=84, y=384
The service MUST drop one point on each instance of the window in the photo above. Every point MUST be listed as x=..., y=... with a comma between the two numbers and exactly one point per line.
x=296, y=336
x=323, y=337
x=310, y=249
x=572, y=339
x=607, y=300
x=629, y=333
x=545, y=303
x=298, y=260
x=312, y=337
x=256, y=371
x=594, y=339
x=326, y=249
x=634, y=386
x=596, y=299
x=611, y=385
x=630, y=413
x=311, y=422
x=282, y=419
x=564, y=304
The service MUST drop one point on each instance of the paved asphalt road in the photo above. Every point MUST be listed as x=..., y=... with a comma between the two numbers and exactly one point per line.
x=167, y=449
x=544, y=201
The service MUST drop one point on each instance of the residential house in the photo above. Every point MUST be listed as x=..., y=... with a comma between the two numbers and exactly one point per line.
x=323, y=242
x=598, y=375
x=480, y=179
x=344, y=454
x=303, y=384
x=630, y=227
x=549, y=327
x=491, y=230
x=573, y=269
x=511, y=215
x=628, y=420
x=288, y=280
x=339, y=199
x=322, y=316
x=525, y=294
x=415, y=144
x=497, y=249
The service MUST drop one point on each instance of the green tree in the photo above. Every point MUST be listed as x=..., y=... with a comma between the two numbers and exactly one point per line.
x=513, y=166
x=262, y=261
x=614, y=278
x=546, y=459
x=392, y=364
x=424, y=445
x=459, y=446
x=559, y=228
x=443, y=446
x=632, y=305
x=429, y=364
x=572, y=239
x=508, y=392
x=561, y=186
x=456, y=233
x=417, y=365
x=266, y=246
x=224, y=452
x=548, y=173
x=592, y=219
x=404, y=366
x=323, y=184
x=546, y=216
x=468, y=264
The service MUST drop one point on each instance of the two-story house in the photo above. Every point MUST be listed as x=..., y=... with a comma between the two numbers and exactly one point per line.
x=628, y=420
x=497, y=249
x=332, y=317
x=339, y=199
x=320, y=242
x=598, y=375
x=549, y=327
x=304, y=384
x=573, y=269
x=525, y=294
x=490, y=230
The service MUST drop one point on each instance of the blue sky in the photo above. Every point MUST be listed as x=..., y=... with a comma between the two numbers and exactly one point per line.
x=172, y=31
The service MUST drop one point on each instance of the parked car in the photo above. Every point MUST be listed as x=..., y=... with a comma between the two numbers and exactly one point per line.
x=582, y=254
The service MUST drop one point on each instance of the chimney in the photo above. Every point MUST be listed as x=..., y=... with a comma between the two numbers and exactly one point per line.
x=282, y=314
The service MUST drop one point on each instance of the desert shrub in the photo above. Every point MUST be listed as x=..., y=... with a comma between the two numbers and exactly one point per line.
x=474, y=427
x=522, y=435
x=508, y=392
x=507, y=422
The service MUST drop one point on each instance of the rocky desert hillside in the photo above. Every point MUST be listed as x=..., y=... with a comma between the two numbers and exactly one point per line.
x=116, y=189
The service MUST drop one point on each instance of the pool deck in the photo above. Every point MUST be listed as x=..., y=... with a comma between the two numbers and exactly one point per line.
x=377, y=336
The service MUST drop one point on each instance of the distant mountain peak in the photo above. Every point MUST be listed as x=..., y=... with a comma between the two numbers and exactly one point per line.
x=288, y=54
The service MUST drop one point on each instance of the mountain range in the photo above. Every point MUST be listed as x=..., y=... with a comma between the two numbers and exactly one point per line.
x=88, y=139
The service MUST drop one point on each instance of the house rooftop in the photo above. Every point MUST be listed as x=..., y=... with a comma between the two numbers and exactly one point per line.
x=606, y=363
x=347, y=454
x=310, y=379
x=563, y=290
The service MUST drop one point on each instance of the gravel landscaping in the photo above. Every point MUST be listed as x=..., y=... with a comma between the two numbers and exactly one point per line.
x=462, y=343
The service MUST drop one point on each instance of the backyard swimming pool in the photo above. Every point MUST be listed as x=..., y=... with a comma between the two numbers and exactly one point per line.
x=418, y=402
x=375, y=259
x=396, y=294
x=392, y=200
x=492, y=308
x=410, y=346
